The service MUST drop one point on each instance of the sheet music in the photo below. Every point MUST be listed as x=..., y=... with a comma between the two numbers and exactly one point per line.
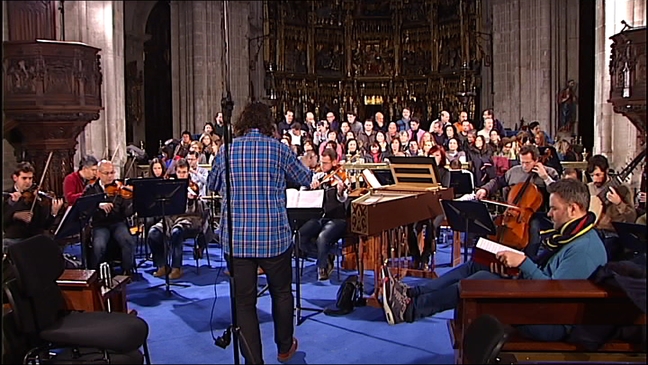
x=371, y=179
x=465, y=197
x=67, y=211
x=494, y=247
x=304, y=198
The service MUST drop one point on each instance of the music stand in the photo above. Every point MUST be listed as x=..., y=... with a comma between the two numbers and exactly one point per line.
x=76, y=217
x=633, y=236
x=461, y=182
x=468, y=217
x=298, y=215
x=153, y=196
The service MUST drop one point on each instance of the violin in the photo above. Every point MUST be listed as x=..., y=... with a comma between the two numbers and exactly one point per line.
x=117, y=188
x=194, y=188
x=337, y=175
x=524, y=199
x=28, y=196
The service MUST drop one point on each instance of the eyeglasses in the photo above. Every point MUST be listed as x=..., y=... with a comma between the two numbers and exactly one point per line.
x=108, y=173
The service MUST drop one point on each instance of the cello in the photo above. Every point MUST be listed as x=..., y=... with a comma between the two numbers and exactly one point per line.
x=524, y=199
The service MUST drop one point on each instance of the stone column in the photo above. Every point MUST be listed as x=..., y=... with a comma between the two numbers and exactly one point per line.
x=196, y=63
x=531, y=42
x=239, y=54
x=613, y=132
x=100, y=24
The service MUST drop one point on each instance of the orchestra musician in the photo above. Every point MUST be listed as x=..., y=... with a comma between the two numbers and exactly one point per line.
x=333, y=225
x=573, y=251
x=76, y=182
x=197, y=174
x=176, y=226
x=423, y=260
x=617, y=203
x=109, y=220
x=19, y=220
x=543, y=177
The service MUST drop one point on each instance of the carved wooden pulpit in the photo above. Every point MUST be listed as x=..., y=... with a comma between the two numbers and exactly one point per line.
x=52, y=90
x=628, y=80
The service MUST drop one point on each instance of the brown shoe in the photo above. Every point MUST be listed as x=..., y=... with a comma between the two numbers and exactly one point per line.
x=288, y=355
x=161, y=272
x=175, y=274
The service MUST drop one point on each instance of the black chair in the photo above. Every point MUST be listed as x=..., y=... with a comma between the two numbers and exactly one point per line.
x=483, y=340
x=40, y=314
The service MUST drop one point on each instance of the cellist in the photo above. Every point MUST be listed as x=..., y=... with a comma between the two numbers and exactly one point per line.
x=543, y=177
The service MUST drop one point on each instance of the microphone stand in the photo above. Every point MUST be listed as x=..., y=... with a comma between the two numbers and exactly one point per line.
x=227, y=105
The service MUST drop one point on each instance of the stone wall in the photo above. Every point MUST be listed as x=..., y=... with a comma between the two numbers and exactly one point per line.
x=101, y=24
x=535, y=46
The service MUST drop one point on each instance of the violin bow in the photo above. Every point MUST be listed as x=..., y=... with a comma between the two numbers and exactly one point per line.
x=49, y=158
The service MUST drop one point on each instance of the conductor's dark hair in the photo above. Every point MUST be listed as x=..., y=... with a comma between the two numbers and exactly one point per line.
x=256, y=115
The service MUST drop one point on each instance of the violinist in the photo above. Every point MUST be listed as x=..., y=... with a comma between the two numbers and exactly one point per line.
x=543, y=176
x=19, y=221
x=329, y=229
x=197, y=174
x=76, y=182
x=176, y=226
x=157, y=168
x=617, y=202
x=109, y=220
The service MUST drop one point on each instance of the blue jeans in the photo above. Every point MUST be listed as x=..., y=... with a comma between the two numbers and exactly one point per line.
x=121, y=235
x=328, y=232
x=156, y=243
x=443, y=293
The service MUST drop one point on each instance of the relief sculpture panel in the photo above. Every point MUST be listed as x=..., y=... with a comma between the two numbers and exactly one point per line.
x=372, y=55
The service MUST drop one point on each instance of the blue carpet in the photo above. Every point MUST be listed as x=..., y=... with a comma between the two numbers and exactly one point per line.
x=181, y=332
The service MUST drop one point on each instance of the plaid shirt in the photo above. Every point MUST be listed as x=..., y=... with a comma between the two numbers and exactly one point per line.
x=259, y=168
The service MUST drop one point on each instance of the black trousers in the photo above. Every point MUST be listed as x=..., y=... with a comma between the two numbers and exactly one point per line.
x=278, y=271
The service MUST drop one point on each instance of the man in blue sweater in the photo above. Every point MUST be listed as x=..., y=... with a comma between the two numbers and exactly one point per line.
x=573, y=250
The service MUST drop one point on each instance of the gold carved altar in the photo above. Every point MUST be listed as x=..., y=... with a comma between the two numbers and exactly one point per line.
x=373, y=55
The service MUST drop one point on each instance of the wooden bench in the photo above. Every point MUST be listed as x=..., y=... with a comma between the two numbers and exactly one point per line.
x=522, y=302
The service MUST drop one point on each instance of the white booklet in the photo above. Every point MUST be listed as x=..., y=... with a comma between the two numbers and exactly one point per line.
x=494, y=247
x=304, y=198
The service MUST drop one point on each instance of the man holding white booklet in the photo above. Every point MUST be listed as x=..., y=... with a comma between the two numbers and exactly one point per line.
x=573, y=250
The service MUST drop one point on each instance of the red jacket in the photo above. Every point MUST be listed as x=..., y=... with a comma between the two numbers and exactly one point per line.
x=73, y=187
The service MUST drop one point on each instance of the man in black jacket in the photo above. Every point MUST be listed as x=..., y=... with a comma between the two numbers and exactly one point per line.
x=329, y=229
x=19, y=220
x=109, y=220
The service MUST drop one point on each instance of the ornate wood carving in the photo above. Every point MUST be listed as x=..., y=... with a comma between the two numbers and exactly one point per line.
x=340, y=55
x=628, y=81
x=52, y=90
x=31, y=20
x=628, y=76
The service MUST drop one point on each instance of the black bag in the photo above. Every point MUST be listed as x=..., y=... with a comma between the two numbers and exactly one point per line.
x=348, y=296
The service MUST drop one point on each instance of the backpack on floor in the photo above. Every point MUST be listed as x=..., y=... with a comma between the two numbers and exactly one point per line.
x=349, y=296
